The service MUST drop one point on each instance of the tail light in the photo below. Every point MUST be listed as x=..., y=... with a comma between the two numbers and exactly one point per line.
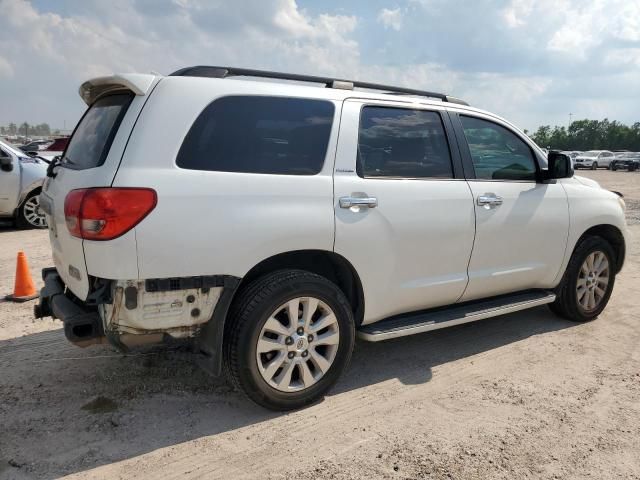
x=106, y=213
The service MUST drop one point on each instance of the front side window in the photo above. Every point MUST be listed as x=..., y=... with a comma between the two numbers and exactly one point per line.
x=254, y=134
x=402, y=143
x=90, y=143
x=496, y=152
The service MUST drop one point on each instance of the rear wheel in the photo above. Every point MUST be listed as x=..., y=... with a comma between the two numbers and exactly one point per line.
x=30, y=215
x=588, y=281
x=614, y=167
x=290, y=335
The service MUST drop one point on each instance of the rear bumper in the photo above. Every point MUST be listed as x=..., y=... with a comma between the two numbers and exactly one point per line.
x=82, y=323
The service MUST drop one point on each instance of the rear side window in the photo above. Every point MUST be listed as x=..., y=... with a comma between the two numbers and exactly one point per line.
x=90, y=143
x=497, y=153
x=402, y=143
x=255, y=134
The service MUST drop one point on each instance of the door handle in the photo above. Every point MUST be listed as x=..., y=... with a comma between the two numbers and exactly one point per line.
x=488, y=200
x=348, y=202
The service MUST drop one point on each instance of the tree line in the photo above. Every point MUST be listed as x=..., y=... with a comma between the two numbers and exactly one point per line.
x=39, y=130
x=585, y=135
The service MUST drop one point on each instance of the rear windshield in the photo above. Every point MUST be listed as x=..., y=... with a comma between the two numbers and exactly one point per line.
x=252, y=134
x=92, y=138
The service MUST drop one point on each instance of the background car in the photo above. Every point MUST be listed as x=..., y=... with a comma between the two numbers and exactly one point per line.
x=626, y=160
x=594, y=159
x=35, y=146
x=572, y=154
x=54, y=150
x=21, y=180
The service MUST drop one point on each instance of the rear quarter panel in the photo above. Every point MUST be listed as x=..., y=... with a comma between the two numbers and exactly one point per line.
x=210, y=222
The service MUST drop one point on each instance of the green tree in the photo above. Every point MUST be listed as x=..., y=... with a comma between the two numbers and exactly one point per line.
x=541, y=136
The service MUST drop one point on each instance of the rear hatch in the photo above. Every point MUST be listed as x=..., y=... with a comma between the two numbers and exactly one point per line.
x=91, y=159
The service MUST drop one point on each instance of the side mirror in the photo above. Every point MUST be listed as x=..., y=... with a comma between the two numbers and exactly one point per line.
x=6, y=164
x=559, y=166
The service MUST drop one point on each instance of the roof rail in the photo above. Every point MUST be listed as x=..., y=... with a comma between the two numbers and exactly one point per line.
x=224, y=72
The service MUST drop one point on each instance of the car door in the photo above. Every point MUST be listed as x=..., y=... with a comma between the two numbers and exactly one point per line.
x=604, y=159
x=9, y=182
x=521, y=223
x=404, y=214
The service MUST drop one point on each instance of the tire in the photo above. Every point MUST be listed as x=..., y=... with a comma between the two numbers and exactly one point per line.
x=29, y=213
x=594, y=165
x=266, y=300
x=613, y=167
x=568, y=304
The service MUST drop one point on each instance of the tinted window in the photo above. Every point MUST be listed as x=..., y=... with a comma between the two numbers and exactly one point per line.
x=397, y=142
x=497, y=153
x=92, y=138
x=259, y=135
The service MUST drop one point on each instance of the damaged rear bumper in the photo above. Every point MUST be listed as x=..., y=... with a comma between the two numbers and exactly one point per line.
x=143, y=312
x=82, y=322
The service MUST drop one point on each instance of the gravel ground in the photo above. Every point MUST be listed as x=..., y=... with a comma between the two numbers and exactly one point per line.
x=525, y=395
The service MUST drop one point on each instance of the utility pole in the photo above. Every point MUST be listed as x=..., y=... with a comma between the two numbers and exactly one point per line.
x=570, y=119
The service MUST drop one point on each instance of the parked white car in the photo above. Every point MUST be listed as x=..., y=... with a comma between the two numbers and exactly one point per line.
x=271, y=222
x=21, y=180
x=594, y=159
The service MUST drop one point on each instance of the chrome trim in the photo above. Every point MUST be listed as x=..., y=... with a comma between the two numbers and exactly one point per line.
x=489, y=200
x=348, y=202
x=471, y=317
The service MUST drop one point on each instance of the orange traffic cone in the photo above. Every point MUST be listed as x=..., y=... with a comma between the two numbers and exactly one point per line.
x=24, y=288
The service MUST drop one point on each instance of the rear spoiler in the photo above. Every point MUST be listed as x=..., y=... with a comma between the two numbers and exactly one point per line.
x=138, y=83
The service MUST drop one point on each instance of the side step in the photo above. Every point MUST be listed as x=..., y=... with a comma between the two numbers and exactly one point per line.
x=427, y=320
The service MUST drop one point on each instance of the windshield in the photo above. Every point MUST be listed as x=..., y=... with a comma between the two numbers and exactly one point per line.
x=590, y=154
x=90, y=143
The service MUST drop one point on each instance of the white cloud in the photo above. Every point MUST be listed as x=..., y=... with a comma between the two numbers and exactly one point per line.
x=119, y=37
x=6, y=70
x=517, y=13
x=531, y=61
x=390, y=18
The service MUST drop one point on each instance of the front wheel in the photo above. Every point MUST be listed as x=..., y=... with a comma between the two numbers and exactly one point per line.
x=30, y=215
x=594, y=165
x=614, y=167
x=588, y=281
x=290, y=335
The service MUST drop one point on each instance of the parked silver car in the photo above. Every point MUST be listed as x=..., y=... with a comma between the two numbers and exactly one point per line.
x=21, y=180
x=594, y=159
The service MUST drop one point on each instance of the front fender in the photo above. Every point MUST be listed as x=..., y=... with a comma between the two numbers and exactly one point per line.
x=27, y=189
x=589, y=207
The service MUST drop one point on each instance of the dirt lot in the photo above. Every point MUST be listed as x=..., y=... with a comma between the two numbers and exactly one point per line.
x=521, y=396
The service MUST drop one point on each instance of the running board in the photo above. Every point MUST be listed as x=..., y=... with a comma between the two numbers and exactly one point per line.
x=425, y=321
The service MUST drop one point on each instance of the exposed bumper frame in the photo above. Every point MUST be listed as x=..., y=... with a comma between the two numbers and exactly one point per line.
x=82, y=322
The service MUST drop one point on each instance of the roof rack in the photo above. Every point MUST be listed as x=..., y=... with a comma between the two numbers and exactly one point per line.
x=224, y=72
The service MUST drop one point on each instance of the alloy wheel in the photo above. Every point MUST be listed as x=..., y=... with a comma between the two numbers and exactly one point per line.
x=298, y=344
x=33, y=213
x=593, y=281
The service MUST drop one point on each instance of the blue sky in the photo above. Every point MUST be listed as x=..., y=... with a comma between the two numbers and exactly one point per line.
x=532, y=61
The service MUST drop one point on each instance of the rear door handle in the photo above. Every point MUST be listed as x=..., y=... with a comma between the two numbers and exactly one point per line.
x=488, y=200
x=348, y=202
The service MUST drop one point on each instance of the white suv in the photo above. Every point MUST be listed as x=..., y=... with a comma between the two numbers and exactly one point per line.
x=271, y=222
x=594, y=159
x=21, y=179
